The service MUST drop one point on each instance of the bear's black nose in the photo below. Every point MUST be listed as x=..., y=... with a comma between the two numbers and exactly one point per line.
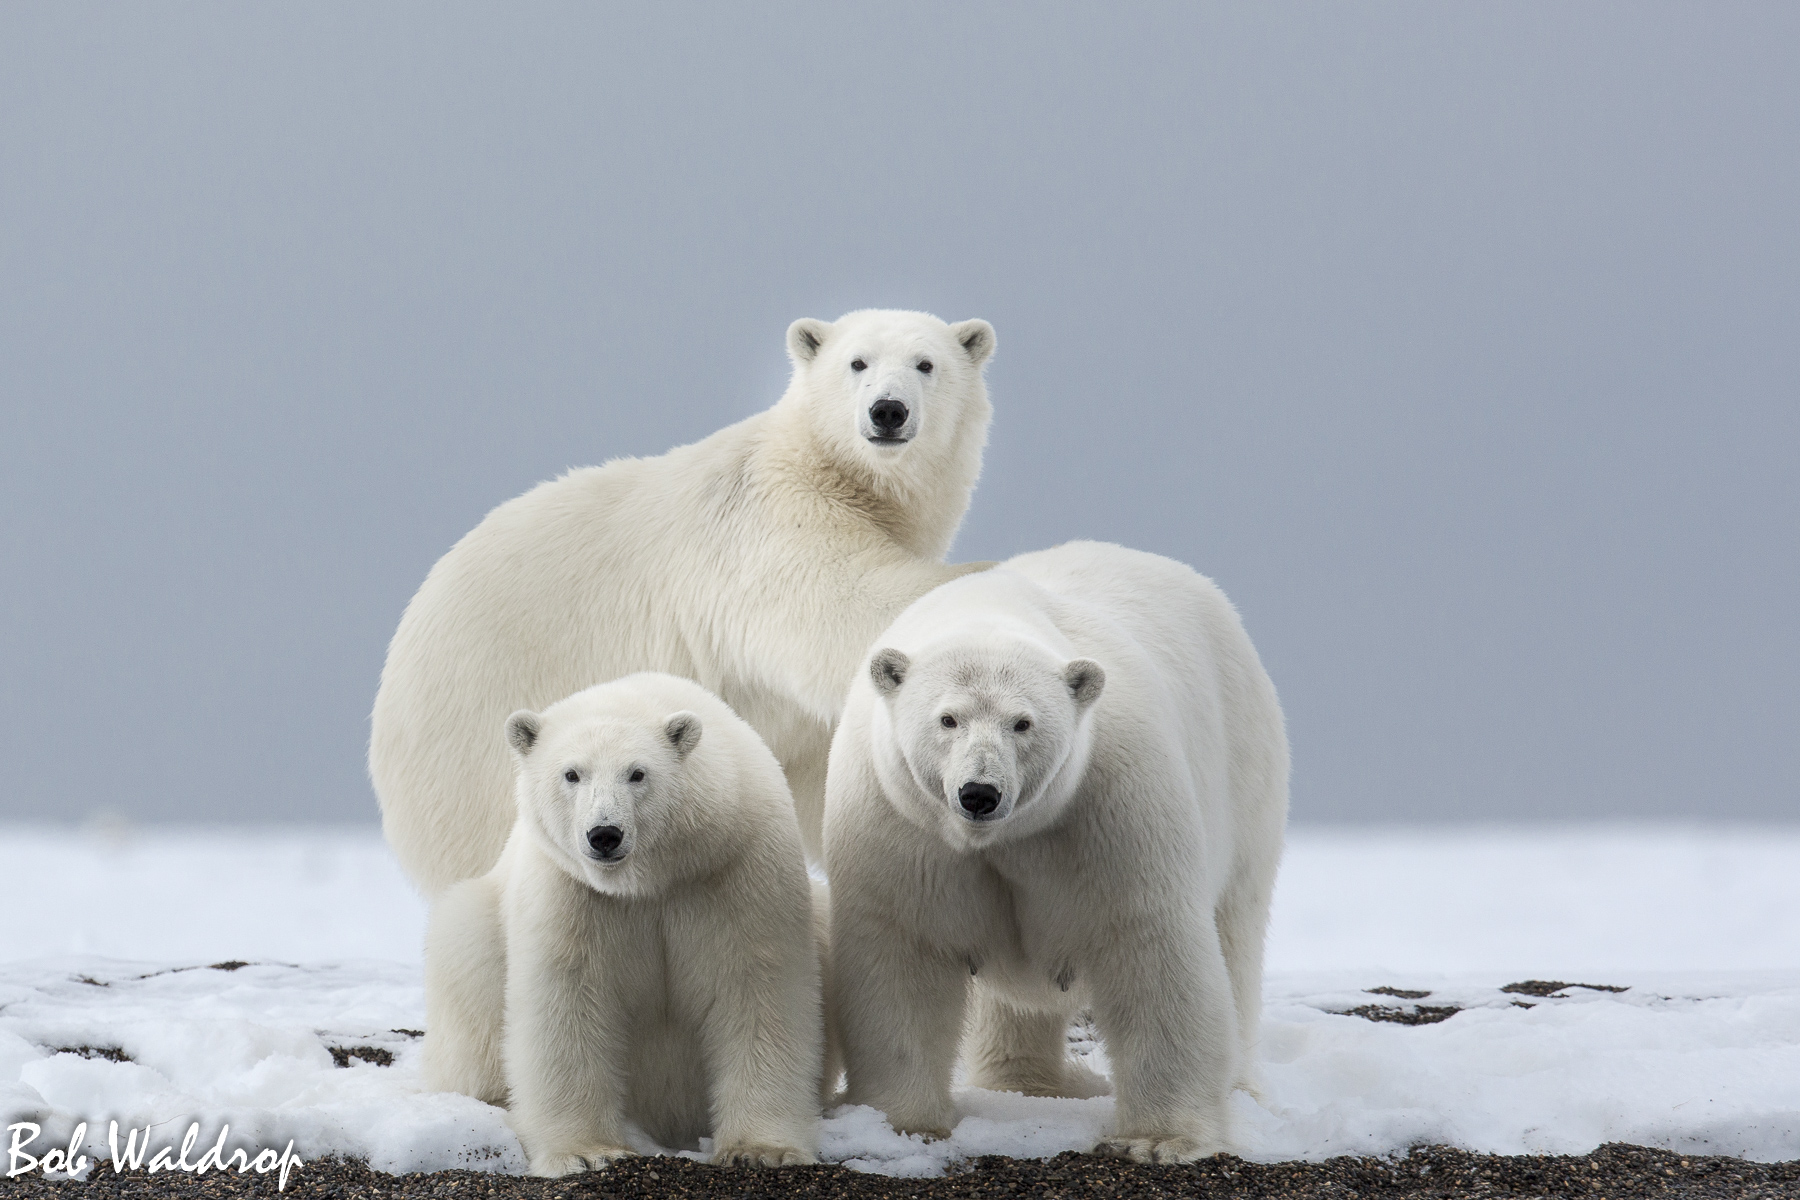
x=605, y=839
x=978, y=799
x=888, y=415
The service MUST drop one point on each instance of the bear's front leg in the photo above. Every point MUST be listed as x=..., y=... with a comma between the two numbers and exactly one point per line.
x=899, y=1006
x=1163, y=1002
x=745, y=958
x=566, y=1042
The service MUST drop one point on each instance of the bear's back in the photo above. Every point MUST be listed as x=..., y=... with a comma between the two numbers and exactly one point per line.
x=580, y=531
x=1187, y=637
x=1161, y=604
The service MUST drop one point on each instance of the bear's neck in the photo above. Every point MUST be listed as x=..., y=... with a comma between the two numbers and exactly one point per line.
x=918, y=509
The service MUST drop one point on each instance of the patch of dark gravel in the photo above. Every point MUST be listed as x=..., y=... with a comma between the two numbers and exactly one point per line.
x=1418, y=1014
x=229, y=965
x=341, y=1055
x=109, y=1053
x=1549, y=987
x=1615, y=1172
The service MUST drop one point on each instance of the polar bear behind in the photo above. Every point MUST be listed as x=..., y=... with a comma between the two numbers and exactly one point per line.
x=644, y=950
x=1067, y=778
x=759, y=562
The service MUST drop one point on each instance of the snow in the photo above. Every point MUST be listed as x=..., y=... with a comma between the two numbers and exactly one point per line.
x=1563, y=900
x=112, y=936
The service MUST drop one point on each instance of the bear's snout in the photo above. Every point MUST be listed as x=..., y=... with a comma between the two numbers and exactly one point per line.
x=978, y=800
x=605, y=841
x=888, y=415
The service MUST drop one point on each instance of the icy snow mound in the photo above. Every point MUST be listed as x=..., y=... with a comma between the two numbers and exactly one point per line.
x=1697, y=1064
x=249, y=1045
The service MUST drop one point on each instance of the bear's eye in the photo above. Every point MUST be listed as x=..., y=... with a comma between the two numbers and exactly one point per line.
x=572, y=776
x=859, y=365
x=947, y=721
x=925, y=366
x=637, y=776
x=1021, y=725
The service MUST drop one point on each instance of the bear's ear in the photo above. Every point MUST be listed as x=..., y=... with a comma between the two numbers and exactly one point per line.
x=684, y=732
x=888, y=669
x=805, y=336
x=976, y=338
x=522, y=729
x=1085, y=680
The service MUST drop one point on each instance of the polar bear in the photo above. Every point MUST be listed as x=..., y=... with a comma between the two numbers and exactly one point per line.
x=758, y=562
x=1067, y=778
x=644, y=949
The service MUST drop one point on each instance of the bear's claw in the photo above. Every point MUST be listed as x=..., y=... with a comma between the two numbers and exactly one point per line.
x=1178, y=1149
x=753, y=1154
x=596, y=1158
x=929, y=1133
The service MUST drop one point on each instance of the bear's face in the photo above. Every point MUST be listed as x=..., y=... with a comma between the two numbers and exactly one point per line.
x=884, y=386
x=991, y=733
x=602, y=792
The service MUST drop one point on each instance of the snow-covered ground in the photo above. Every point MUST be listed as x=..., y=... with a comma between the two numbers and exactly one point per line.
x=112, y=936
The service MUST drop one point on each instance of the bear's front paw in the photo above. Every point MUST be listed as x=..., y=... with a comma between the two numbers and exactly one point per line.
x=1177, y=1149
x=570, y=1162
x=930, y=1118
x=926, y=1127
x=757, y=1154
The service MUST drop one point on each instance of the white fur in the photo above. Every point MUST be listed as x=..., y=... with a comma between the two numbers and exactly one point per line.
x=1127, y=867
x=677, y=987
x=758, y=562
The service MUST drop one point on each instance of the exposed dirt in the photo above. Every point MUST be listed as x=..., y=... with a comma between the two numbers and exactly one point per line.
x=1550, y=987
x=1418, y=1014
x=109, y=1053
x=341, y=1055
x=1431, y=1014
x=1610, y=1173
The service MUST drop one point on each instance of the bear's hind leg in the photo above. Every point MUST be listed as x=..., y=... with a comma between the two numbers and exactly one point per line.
x=832, y=1068
x=1243, y=922
x=1013, y=1049
x=465, y=992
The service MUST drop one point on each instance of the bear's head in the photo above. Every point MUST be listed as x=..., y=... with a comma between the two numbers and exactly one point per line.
x=604, y=792
x=897, y=397
x=991, y=732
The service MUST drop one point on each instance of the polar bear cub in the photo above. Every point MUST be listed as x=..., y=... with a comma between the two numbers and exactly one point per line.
x=1067, y=778
x=644, y=950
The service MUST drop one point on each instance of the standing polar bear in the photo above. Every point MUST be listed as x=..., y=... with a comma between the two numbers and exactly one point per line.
x=758, y=562
x=644, y=949
x=1067, y=778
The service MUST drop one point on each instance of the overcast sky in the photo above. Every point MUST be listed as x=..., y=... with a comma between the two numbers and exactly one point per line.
x=1457, y=342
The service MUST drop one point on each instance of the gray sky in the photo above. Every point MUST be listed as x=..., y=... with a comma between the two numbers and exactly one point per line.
x=1457, y=342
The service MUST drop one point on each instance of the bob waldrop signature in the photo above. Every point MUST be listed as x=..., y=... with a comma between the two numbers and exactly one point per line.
x=72, y=1162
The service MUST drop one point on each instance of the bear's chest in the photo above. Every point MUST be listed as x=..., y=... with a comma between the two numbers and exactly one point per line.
x=638, y=963
x=1023, y=928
